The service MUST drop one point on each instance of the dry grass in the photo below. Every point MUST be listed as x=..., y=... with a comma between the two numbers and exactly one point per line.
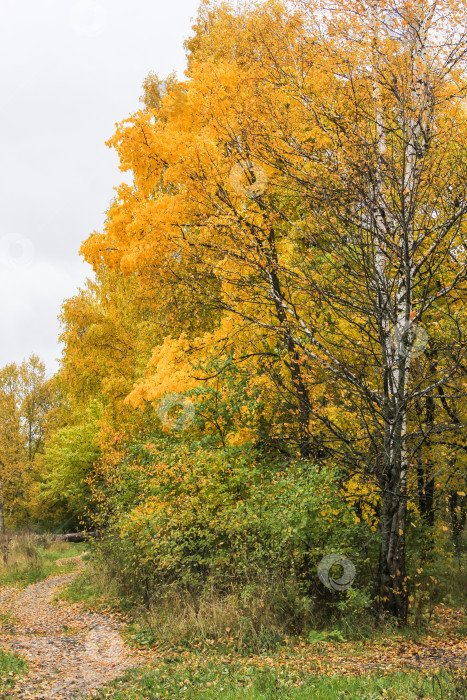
x=26, y=557
x=255, y=617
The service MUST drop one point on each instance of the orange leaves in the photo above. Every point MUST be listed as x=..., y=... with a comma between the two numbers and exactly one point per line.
x=172, y=372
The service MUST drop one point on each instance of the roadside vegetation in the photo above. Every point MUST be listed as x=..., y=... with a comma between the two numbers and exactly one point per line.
x=12, y=667
x=213, y=679
x=27, y=558
x=261, y=406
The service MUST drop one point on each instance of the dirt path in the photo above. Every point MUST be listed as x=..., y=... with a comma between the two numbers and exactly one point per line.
x=70, y=651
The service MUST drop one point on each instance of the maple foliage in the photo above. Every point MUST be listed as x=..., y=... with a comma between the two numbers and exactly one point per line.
x=260, y=411
x=245, y=226
x=288, y=262
x=302, y=190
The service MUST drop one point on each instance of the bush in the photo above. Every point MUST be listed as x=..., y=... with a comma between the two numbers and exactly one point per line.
x=202, y=533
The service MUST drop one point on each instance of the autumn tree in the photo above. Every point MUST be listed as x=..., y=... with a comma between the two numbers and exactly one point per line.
x=61, y=492
x=10, y=440
x=36, y=396
x=28, y=399
x=305, y=186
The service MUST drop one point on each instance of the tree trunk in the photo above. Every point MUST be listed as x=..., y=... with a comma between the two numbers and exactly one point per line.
x=77, y=536
x=457, y=507
x=294, y=366
x=426, y=491
x=392, y=564
x=393, y=589
x=2, y=511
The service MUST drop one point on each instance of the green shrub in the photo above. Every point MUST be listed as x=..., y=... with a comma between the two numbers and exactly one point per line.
x=186, y=525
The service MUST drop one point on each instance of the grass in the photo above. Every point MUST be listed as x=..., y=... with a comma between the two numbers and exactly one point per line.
x=247, y=622
x=7, y=621
x=97, y=591
x=27, y=558
x=213, y=651
x=212, y=679
x=11, y=668
x=196, y=654
x=24, y=559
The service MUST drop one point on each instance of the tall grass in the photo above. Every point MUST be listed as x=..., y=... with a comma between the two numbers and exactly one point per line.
x=26, y=558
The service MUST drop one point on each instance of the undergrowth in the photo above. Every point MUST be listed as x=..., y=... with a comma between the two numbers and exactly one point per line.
x=28, y=558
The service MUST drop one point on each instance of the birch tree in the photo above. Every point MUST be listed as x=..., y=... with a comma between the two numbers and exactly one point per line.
x=310, y=175
x=385, y=206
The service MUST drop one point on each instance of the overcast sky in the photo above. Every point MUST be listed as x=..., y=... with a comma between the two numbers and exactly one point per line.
x=70, y=71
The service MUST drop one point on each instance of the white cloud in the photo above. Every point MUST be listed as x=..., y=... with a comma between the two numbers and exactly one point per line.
x=32, y=295
x=75, y=68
